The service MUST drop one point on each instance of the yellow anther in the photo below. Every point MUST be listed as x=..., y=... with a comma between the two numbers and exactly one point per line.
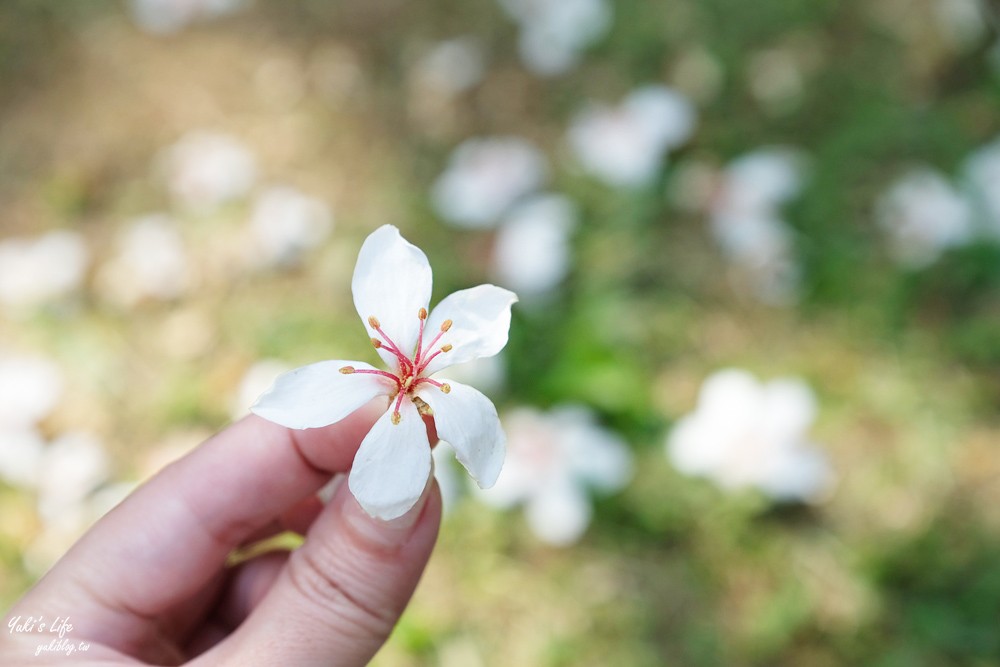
x=446, y=325
x=373, y=322
x=395, y=418
x=347, y=370
x=377, y=343
x=446, y=388
x=422, y=313
x=446, y=348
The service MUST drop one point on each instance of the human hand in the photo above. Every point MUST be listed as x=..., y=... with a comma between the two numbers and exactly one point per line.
x=149, y=583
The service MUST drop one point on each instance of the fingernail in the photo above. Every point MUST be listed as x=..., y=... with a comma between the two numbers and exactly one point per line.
x=384, y=534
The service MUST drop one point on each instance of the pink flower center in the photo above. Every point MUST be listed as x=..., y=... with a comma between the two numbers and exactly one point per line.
x=411, y=368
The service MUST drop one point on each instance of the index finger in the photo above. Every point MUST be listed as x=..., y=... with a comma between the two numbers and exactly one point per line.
x=169, y=539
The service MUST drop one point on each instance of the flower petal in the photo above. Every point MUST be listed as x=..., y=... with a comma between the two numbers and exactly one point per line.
x=480, y=319
x=802, y=473
x=392, y=281
x=469, y=422
x=319, y=394
x=393, y=464
x=596, y=456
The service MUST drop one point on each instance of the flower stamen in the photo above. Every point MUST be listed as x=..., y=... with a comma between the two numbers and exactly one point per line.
x=350, y=370
x=404, y=361
x=443, y=386
x=396, y=416
x=428, y=360
x=422, y=315
x=444, y=328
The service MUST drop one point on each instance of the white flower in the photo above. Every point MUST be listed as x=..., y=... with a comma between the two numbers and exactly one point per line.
x=163, y=17
x=21, y=453
x=758, y=183
x=532, y=253
x=484, y=178
x=450, y=67
x=553, y=459
x=72, y=466
x=392, y=289
x=36, y=270
x=745, y=217
x=555, y=32
x=205, y=170
x=748, y=434
x=152, y=262
x=286, y=222
x=982, y=176
x=924, y=216
x=625, y=146
x=30, y=388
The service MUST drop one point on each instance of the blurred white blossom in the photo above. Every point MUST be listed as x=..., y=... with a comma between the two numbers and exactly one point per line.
x=30, y=388
x=36, y=270
x=450, y=67
x=625, y=146
x=745, y=433
x=286, y=222
x=73, y=465
x=485, y=177
x=553, y=461
x=21, y=453
x=555, y=32
x=152, y=262
x=759, y=182
x=532, y=254
x=163, y=17
x=924, y=215
x=206, y=169
x=746, y=220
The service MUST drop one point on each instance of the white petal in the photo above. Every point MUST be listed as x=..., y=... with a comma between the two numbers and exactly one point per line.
x=480, y=319
x=319, y=394
x=532, y=253
x=72, y=466
x=469, y=422
x=799, y=474
x=559, y=515
x=393, y=464
x=597, y=456
x=692, y=449
x=790, y=408
x=392, y=281
x=21, y=455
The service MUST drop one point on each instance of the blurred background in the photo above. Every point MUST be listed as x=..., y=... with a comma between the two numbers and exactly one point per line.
x=752, y=385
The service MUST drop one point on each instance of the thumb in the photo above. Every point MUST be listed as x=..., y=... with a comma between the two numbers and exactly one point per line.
x=342, y=593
